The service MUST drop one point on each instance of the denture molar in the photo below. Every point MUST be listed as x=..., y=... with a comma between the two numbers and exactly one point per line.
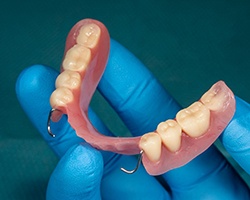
x=69, y=79
x=215, y=98
x=150, y=143
x=170, y=132
x=77, y=58
x=89, y=35
x=194, y=120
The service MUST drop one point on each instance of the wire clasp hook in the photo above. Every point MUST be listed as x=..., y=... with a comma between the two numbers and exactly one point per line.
x=123, y=169
x=137, y=165
x=48, y=122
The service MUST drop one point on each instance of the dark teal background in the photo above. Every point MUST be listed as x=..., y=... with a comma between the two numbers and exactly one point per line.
x=188, y=45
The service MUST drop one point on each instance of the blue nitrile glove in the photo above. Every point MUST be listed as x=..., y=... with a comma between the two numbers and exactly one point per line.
x=141, y=102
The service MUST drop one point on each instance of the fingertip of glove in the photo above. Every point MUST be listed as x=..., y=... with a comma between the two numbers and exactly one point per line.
x=29, y=78
x=34, y=84
x=235, y=137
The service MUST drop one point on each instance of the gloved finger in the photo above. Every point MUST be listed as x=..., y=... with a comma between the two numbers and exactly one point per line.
x=236, y=137
x=130, y=87
x=77, y=175
x=33, y=87
x=142, y=103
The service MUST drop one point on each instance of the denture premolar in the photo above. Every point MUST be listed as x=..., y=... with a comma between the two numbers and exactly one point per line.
x=150, y=143
x=194, y=120
x=69, y=79
x=61, y=97
x=170, y=132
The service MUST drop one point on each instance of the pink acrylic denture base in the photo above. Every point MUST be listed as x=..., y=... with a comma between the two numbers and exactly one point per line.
x=78, y=117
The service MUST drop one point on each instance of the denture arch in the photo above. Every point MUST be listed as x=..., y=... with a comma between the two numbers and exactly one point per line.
x=85, y=59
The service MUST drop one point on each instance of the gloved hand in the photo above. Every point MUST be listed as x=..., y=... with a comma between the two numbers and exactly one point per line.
x=86, y=173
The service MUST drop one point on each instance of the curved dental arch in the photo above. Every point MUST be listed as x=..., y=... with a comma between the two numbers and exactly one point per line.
x=174, y=142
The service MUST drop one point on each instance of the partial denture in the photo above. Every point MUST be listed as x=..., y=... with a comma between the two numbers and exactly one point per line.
x=173, y=143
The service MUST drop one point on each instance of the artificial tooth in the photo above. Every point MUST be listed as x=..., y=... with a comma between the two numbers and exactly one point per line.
x=170, y=132
x=215, y=98
x=150, y=143
x=89, y=35
x=69, y=79
x=194, y=120
x=61, y=97
x=77, y=58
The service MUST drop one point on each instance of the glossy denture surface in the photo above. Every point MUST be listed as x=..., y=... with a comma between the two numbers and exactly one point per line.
x=175, y=141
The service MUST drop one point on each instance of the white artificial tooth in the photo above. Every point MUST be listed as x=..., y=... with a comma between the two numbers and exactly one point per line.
x=89, y=35
x=215, y=98
x=150, y=143
x=77, y=58
x=69, y=79
x=170, y=132
x=61, y=97
x=194, y=120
